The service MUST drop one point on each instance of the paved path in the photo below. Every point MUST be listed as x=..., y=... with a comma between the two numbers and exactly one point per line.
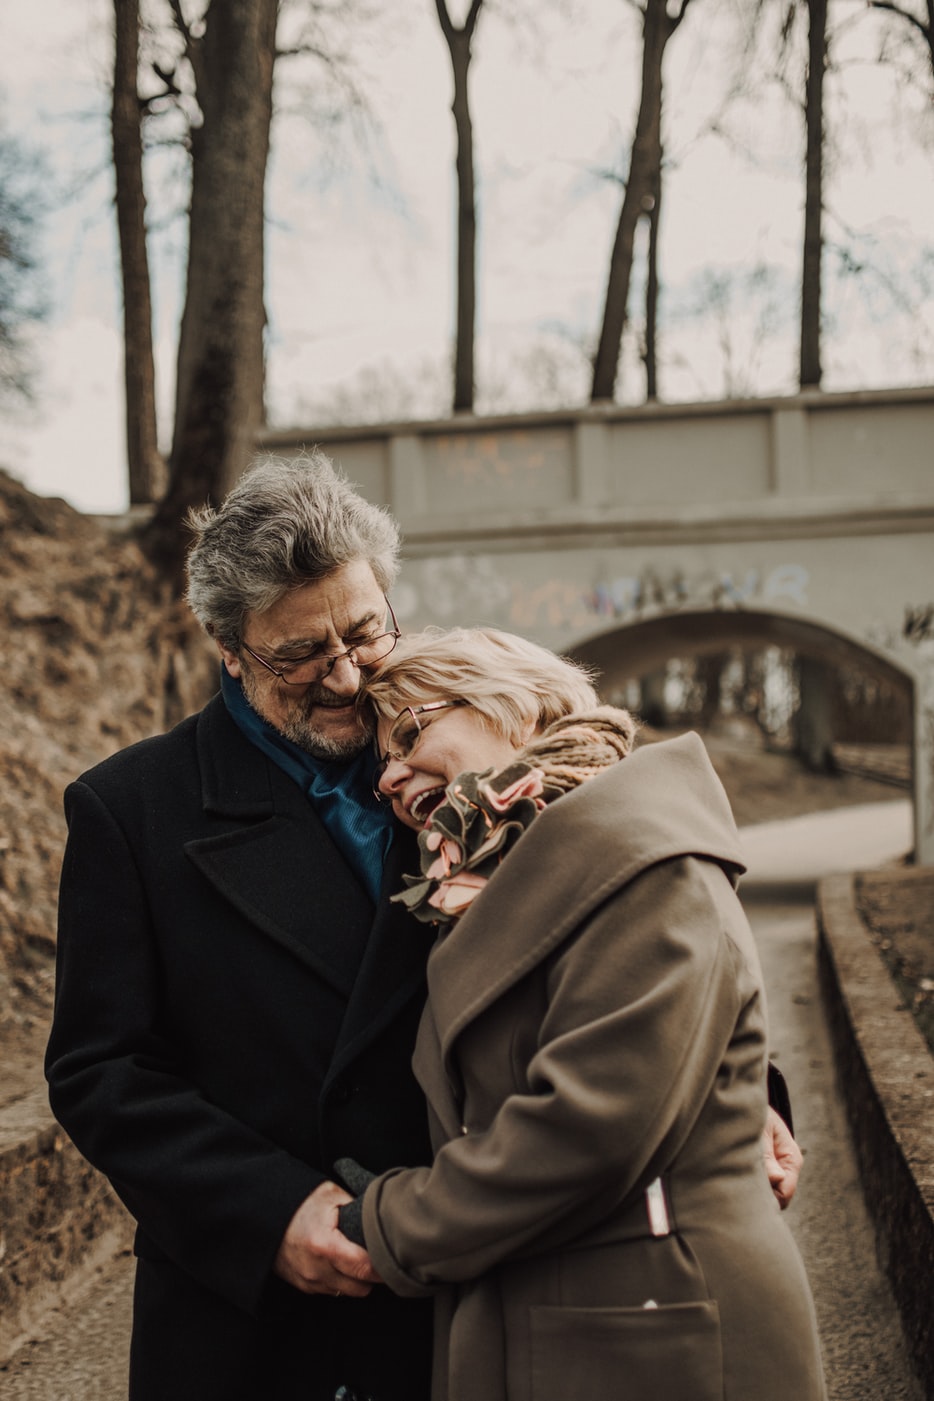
x=800, y=850
x=864, y=1352
x=82, y=1357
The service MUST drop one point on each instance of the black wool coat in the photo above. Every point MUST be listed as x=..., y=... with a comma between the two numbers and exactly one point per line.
x=232, y=1015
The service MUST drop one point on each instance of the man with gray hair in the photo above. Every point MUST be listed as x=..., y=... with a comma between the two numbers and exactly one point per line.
x=236, y=999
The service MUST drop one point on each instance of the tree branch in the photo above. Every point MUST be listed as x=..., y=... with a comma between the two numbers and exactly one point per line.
x=181, y=23
x=894, y=9
x=470, y=23
x=192, y=43
x=168, y=78
x=449, y=29
x=675, y=20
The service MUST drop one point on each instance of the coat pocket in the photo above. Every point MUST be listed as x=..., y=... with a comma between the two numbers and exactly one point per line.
x=668, y=1353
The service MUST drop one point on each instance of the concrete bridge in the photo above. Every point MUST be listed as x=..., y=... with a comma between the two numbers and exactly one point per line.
x=626, y=536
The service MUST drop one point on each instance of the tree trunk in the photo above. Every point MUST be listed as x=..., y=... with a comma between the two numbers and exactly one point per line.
x=644, y=166
x=814, y=720
x=466, y=236
x=651, y=294
x=221, y=370
x=145, y=467
x=710, y=668
x=810, y=363
x=459, y=42
x=653, y=707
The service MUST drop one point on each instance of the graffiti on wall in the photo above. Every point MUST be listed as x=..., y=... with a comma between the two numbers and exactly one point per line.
x=475, y=458
x=466, y=588
x=917, y=630
x=633, y=595
x=919, y=623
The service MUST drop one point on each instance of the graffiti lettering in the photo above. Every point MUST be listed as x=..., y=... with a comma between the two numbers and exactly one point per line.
x=787, y=581
x=472, y=586
x=632, y=595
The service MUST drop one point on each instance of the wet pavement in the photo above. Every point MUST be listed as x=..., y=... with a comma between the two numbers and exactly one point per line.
x=82, y=1353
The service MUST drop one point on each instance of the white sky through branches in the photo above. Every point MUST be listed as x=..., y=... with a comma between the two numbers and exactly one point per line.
x=360, y=287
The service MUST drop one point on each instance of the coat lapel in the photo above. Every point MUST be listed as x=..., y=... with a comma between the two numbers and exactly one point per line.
x=271, y=857
x=393, y=966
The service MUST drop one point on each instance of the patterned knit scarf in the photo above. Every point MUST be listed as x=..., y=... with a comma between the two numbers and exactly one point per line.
x=484, y=814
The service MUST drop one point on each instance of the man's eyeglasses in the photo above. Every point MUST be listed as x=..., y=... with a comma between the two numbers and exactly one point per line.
x=362, y=652
x=404, y=734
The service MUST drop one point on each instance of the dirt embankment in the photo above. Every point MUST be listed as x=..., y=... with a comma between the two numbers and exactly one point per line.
x=92, y=657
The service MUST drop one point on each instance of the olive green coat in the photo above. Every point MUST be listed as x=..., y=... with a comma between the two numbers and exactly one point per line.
x=596, y=1021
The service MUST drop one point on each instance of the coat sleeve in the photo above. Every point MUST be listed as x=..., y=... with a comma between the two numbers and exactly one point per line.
x=207, y=1190
x=642, y=1003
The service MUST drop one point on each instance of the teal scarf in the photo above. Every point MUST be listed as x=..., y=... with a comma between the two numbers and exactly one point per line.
x=339, y=790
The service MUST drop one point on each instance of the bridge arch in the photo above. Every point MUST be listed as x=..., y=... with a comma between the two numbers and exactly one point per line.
x=635, y=647
x=645, y=644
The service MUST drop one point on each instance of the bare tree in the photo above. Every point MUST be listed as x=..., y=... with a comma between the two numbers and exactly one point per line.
x=459, y=42
x=145, y=466
x=785, y=69
x=810, y=355
x=220, y=373
x=642, y=189
x=204, y=83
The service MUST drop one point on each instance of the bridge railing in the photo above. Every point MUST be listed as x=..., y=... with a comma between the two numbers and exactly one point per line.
x=706, y=465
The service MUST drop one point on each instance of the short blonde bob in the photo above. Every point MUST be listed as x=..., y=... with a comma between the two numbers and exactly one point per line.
x=509, y=681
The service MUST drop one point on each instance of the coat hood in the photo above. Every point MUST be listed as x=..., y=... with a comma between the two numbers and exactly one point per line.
x=663, y=801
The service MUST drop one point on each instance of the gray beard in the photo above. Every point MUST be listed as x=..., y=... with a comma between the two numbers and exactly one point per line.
x=321, y=746
x=304, y=736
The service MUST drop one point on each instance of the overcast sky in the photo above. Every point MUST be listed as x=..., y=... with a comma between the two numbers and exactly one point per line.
x=361, y=245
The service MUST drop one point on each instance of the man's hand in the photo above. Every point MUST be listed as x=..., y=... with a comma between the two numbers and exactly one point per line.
x=315, y=1257
x=783, y=1158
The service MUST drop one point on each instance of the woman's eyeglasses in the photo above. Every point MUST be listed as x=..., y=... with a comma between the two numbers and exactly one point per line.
x=404, y=734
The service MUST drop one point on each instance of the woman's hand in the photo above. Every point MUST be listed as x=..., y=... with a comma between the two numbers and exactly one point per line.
x=783, y=1158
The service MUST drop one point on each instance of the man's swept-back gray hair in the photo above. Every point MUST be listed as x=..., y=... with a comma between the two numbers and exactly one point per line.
x=288, y=521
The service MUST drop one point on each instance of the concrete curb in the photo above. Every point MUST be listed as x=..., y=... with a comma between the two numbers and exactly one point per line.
x=59, y=1220
x=886, y=1076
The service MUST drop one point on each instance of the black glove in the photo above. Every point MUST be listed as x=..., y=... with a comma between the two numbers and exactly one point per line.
x=779, y=1098
x=356, y=1179
x=351, y=1175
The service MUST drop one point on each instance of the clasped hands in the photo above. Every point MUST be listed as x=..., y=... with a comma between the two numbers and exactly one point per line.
x=317, y=1257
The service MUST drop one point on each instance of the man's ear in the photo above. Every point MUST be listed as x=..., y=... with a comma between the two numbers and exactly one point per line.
x=230, y=659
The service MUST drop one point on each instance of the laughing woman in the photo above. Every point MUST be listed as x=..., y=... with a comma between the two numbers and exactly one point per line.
x=597, y=1221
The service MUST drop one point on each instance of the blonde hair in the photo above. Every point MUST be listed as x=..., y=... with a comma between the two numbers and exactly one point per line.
x=510, y=682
